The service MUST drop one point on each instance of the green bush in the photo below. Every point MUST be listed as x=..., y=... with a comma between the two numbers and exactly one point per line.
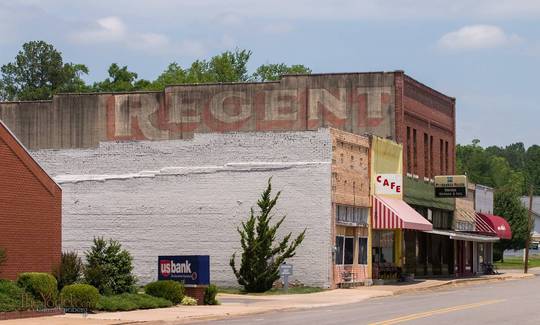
x=70, y=269
x=210, y=294
x=13, y=297
x=108, y=267
x=42, y=286
x=188, y=301
x=79, y=295
x=131, y=301
x=168, y=289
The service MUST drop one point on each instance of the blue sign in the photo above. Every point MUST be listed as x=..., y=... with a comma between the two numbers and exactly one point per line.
x=190, y=269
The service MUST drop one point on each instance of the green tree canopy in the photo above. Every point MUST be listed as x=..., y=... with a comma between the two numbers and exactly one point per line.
x=269, y=72
x=38, y=72
x=120, y=79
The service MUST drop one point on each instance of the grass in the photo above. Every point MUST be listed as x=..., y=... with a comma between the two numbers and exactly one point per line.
x=273, y=291
x=517, y=262
x=131, y=301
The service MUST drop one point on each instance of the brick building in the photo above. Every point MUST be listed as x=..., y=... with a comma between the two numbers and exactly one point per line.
x=390, y=105
x=188, y=196
x=30, y=211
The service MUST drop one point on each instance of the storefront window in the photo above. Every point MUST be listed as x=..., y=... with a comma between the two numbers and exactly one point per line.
x=383, y=246
x=339, y=249
x=362, y=250
x=349, y=250
x=344, y=250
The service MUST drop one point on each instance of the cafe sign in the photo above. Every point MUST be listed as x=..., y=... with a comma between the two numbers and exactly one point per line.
x=388, y=184
x=451, y=186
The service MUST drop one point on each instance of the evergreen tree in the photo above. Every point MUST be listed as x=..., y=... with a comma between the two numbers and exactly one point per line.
x=260, y=261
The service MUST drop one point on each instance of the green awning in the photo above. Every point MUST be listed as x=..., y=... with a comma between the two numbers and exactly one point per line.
x=421, y=193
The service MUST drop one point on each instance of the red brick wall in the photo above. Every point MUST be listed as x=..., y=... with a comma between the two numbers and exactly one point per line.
x=432, y=115
x=30, y=212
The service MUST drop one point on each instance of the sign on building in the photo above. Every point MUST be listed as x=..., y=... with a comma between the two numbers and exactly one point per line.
x=388, y=184
x=190, y=269
x=451, y=186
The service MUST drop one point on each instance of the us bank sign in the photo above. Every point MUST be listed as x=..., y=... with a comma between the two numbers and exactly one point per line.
x=190, y=269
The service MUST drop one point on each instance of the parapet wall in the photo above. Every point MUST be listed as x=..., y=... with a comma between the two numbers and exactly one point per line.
x=355, y=102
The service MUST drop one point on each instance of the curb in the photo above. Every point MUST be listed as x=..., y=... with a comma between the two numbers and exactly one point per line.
x=463, y=281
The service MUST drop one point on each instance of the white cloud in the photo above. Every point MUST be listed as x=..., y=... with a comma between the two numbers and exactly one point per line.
x=476, y=37
x=108, y=29
x=113, y=30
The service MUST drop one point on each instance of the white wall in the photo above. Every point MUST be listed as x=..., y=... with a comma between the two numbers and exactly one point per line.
x=187, y=197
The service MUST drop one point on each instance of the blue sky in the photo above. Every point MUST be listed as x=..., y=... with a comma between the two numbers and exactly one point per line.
x=486, y=53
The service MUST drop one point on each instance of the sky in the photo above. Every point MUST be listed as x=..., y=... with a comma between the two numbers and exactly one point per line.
x=485, y=53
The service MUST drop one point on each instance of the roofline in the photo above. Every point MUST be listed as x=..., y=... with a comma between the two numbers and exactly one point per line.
x=436, y=92
x=210, y=84
x=31, y=157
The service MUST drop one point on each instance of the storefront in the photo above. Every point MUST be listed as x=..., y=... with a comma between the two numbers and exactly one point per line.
x=391, y=217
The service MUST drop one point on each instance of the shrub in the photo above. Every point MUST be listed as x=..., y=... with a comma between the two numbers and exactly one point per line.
x=210, y=294
x=70, y=269
x=42, y=286
x=168, y=289
x=131, y=301
x=80, y=296
x=188, y=301
x=13, y=297
x=108, y=267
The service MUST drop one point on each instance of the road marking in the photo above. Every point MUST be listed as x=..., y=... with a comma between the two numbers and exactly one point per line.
x=434, y=312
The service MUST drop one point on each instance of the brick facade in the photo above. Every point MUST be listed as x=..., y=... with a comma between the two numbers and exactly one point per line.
x=30, y=211
x=425, y=124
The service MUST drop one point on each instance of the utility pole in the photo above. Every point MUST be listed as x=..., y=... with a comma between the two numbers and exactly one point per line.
x=528, y=241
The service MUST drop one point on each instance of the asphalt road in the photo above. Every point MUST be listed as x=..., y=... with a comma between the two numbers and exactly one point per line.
x=505, y=302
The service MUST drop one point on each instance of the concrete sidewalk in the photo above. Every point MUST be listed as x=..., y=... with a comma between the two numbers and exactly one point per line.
x=238, y=305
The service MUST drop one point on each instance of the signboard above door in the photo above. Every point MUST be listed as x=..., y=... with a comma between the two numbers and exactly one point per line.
x=451, y=186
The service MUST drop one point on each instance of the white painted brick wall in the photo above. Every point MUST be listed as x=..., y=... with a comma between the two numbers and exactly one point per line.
x=197, y=213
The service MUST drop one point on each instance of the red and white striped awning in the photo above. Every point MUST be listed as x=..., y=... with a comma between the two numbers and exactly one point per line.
x=396, y=214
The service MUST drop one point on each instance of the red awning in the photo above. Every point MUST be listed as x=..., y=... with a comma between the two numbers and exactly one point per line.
x=483, y=227
x=499, y=224
x=396, y=214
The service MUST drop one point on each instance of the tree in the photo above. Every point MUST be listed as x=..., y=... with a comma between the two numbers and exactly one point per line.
x=269, y=72
x=109, y=267
x=39, y=72
x=508, y=205
x=260, y=260
x=532, y=167
x=174, y=74
x=120, y=79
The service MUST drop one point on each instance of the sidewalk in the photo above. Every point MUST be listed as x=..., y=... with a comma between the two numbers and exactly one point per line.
x=238, y=305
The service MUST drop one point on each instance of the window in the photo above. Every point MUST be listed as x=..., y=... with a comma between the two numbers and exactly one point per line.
x=446, y=158
x=431, y=157
x=339, y=249
x=351, y=215
x=349, y=250
x=441, y=160
x=362, y=250
x=415, y=153
x=426, y=155
x=383, y=246
x=344, y=250
x=409, y=164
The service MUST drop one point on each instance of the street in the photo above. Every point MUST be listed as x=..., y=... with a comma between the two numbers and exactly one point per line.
x=506, y=302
